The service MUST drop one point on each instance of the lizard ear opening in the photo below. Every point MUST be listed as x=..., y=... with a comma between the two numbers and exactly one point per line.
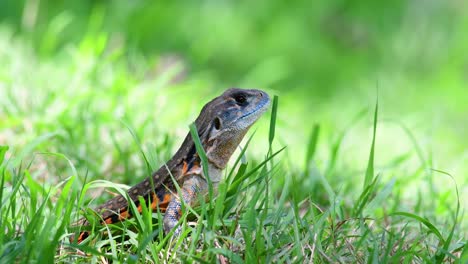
x=217, y=123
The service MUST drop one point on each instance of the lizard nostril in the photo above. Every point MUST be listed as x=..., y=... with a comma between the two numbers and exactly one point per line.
x=261, y=94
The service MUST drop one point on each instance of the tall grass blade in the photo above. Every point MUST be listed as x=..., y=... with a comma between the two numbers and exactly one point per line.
x=204, y=160
x=202, y=154
x=274, y=112
x=440, y=256
x=312, y=146
x=370, y=164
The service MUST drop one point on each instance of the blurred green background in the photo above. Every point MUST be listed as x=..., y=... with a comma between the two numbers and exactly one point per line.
x=327, y=60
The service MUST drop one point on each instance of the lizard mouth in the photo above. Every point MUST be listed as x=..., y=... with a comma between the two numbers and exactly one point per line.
x=257, y=111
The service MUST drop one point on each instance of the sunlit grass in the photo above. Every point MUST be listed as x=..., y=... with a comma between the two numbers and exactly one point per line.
x=85, y=116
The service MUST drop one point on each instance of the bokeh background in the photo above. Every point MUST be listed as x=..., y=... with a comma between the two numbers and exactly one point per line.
x=82, y=66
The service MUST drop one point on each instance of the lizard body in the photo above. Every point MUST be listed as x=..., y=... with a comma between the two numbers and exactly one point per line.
x=221, y=125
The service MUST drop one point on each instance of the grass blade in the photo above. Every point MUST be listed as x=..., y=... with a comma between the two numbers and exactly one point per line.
x=370, y=164
x=274, y=112
x=312, y=146
x=202, y=154
x=440, y=257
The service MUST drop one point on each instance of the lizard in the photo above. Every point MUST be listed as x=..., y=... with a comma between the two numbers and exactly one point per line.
x=221, y=125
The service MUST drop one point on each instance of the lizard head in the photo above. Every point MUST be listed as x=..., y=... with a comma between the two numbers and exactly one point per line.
x=225, y=120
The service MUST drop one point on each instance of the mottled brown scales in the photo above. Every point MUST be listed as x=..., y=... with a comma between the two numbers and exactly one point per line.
x=221, y=125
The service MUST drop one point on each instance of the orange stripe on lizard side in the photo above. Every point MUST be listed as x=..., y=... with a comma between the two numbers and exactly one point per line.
x=81, y=237
x=123, y=215
x=108, y=220
x=155, y=202
x=161, y=204
x=184, y=168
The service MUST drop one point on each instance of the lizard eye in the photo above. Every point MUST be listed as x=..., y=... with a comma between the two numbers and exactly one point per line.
x=240, y=99
x=217, y=123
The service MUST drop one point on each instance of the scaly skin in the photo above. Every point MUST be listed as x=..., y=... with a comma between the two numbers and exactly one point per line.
x=221, y=125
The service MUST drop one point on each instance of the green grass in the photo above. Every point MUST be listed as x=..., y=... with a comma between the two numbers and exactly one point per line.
x=89, y=119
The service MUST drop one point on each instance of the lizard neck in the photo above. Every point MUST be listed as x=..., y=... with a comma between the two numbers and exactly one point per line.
x=218, y=151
